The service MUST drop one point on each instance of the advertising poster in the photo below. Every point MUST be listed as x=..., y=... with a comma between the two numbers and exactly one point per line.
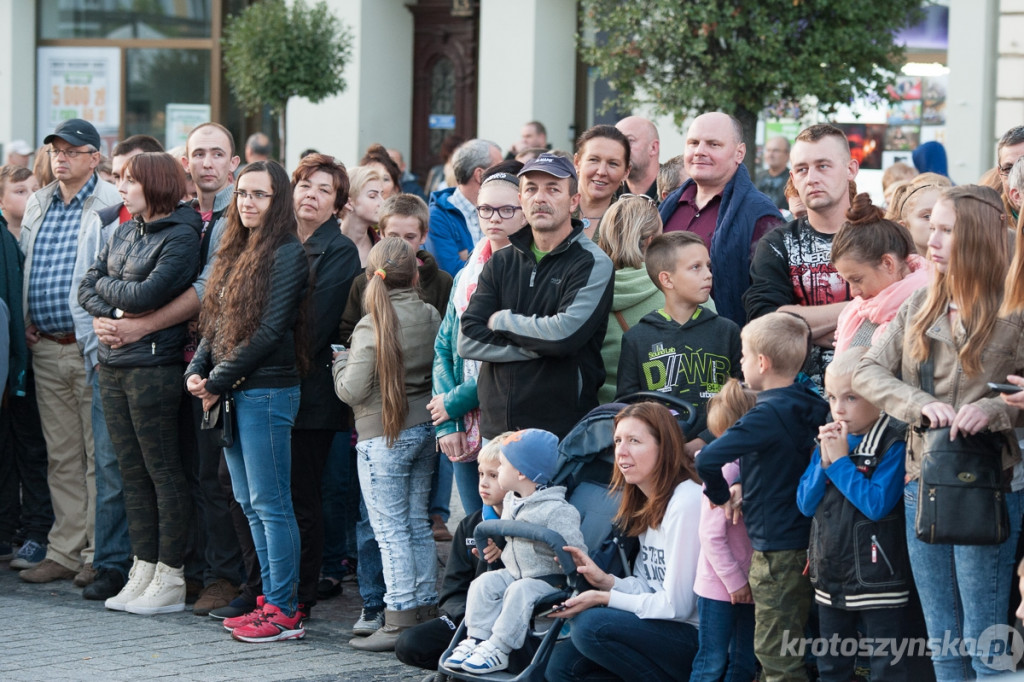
x=79, y=82
x=181, y=119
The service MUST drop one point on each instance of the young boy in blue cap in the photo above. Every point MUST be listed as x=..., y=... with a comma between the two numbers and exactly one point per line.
x=501, y=602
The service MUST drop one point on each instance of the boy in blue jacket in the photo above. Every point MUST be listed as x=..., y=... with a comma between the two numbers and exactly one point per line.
x=858, y=551
x=773, y=442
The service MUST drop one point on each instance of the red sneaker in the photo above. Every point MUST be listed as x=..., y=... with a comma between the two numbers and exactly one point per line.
x=271, y=626
x=238, y=621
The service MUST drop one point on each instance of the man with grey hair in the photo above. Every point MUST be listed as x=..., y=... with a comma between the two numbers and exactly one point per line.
x=671, y=175
x=1008, y=151
x=257, y=148
x=1015, y=186
x=52, y=231
x=454, y=225
x=644, y=150
x=772, y=179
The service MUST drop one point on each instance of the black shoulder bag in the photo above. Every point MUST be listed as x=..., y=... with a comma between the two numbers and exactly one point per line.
x=960, y=498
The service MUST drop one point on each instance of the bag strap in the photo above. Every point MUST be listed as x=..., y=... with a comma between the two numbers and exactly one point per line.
x=927, y=371
x=622, y=321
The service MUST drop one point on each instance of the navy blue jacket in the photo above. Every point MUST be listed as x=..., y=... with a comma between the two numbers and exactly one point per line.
x=742, y=206
x=773, y=442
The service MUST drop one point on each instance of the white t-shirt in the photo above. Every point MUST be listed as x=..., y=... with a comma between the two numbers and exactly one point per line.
x=662, y=582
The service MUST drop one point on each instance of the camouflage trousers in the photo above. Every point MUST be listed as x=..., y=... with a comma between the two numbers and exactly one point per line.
x=782, y=603
x=141, y=408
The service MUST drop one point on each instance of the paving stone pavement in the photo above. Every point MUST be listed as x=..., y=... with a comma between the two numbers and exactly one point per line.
x=53, y=635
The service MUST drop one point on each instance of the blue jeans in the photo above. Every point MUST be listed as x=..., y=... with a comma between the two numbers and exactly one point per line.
x=467, y=480
x=441, y=488
x=340, y=506
x=395, y=481
x=613, y=641
x=964, y=589
x=369, y=570
x=260, y=463
x=726, y=642
x=113, y=545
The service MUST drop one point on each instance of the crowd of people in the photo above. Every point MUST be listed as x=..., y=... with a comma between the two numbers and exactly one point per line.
x=233, y=387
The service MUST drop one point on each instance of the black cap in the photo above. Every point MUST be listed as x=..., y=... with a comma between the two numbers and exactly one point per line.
x=552, y=164
x=75, y=132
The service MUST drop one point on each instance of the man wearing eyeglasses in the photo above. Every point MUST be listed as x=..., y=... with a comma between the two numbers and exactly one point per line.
x=53, y=227
x=1010, y=148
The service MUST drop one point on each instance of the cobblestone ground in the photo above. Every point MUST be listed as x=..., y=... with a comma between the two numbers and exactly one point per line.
x=54, y=635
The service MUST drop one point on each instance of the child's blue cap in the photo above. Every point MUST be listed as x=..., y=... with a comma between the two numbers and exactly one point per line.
x=534, y=452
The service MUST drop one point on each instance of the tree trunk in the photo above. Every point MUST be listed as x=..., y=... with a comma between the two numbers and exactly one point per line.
x=281, y=127
x=748, y=119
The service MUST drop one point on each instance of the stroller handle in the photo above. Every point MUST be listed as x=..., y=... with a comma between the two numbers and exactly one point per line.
x=529, y=531
x=671, y=401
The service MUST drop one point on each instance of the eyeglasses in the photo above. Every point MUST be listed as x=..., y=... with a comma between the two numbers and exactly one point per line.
x=69, y=153
x=255, y=196
x=1005, y=170
x=627, y=195
x=505, y=212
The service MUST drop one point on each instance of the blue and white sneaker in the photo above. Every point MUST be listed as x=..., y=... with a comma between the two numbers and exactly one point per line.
x=30, y=555
x=486, y=658
x=460, y=654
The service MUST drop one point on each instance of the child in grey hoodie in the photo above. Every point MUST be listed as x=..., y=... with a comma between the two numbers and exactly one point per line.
x=500, y=603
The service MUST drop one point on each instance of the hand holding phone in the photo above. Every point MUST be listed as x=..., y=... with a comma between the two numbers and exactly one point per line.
x=1004, y=388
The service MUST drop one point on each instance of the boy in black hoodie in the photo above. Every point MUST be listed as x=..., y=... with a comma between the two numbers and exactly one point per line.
x=684, y=349
x=773, y=442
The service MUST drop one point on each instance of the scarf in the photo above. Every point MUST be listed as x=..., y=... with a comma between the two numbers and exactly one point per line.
x=882, y=308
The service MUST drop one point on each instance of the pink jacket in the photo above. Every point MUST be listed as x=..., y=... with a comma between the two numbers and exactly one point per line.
x=725, y=549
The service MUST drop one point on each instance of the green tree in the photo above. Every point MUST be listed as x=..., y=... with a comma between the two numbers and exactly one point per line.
x=684, y=57
x=273, y=52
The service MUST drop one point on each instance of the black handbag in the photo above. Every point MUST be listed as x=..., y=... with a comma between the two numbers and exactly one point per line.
x=960, y=498
x=219, y=422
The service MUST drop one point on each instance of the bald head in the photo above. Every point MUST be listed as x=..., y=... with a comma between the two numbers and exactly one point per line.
x=644, y=150
x=257, y=148
x=776, y=154
x=714, y=150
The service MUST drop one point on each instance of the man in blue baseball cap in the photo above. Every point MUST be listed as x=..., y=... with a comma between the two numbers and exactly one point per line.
x=540, y=311
x=54, y=225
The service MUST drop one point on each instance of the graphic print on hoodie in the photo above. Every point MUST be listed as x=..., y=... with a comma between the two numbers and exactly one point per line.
x=690, y=361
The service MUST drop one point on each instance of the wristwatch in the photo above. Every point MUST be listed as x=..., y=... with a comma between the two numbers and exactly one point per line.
x=118, y=313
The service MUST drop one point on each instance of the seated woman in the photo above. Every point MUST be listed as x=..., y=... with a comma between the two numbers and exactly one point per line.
x=649, y=631
x=878, y=260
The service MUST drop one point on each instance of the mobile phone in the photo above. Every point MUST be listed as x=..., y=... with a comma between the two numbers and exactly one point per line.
x=337, y=348
x=554, y=609
x=1004, y=388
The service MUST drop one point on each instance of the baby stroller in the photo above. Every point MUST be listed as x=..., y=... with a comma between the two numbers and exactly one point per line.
x=586, y=457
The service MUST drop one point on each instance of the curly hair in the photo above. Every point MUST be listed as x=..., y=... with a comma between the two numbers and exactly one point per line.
x=239, y=285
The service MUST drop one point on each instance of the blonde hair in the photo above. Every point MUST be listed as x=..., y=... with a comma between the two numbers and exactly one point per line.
x=727, y=406
x=905, y=198
x=626, y=226
x=845, y=364
x=391, y=265
x=490, y=454
x=359, y=177
x=780, y=337
x=974, y=279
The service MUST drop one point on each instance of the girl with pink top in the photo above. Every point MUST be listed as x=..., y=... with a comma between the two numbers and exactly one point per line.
x=724, y=603
x=879, y=261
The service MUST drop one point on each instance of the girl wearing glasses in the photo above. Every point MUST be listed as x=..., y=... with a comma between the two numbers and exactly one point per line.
x=602, y=163
x=454, y=407
x=147, y=262
x=249, y=322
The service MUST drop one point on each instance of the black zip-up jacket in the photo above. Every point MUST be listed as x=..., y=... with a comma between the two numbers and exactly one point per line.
x=538, y=328
x=857, y=563
x=267, y=360
x=141, y=268
x=463, y=567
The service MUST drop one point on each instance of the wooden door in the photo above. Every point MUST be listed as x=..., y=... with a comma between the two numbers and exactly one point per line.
x=444, y=77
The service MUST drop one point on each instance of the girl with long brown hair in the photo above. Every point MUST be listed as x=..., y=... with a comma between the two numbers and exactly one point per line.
x=956, y=323
x=249, y=351
x=649, y=631
x=385, y=378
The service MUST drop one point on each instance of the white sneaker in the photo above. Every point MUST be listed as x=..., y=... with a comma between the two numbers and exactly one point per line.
x=138, y=580
x=486, y=658
x=164, y=594
x=460, y=654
